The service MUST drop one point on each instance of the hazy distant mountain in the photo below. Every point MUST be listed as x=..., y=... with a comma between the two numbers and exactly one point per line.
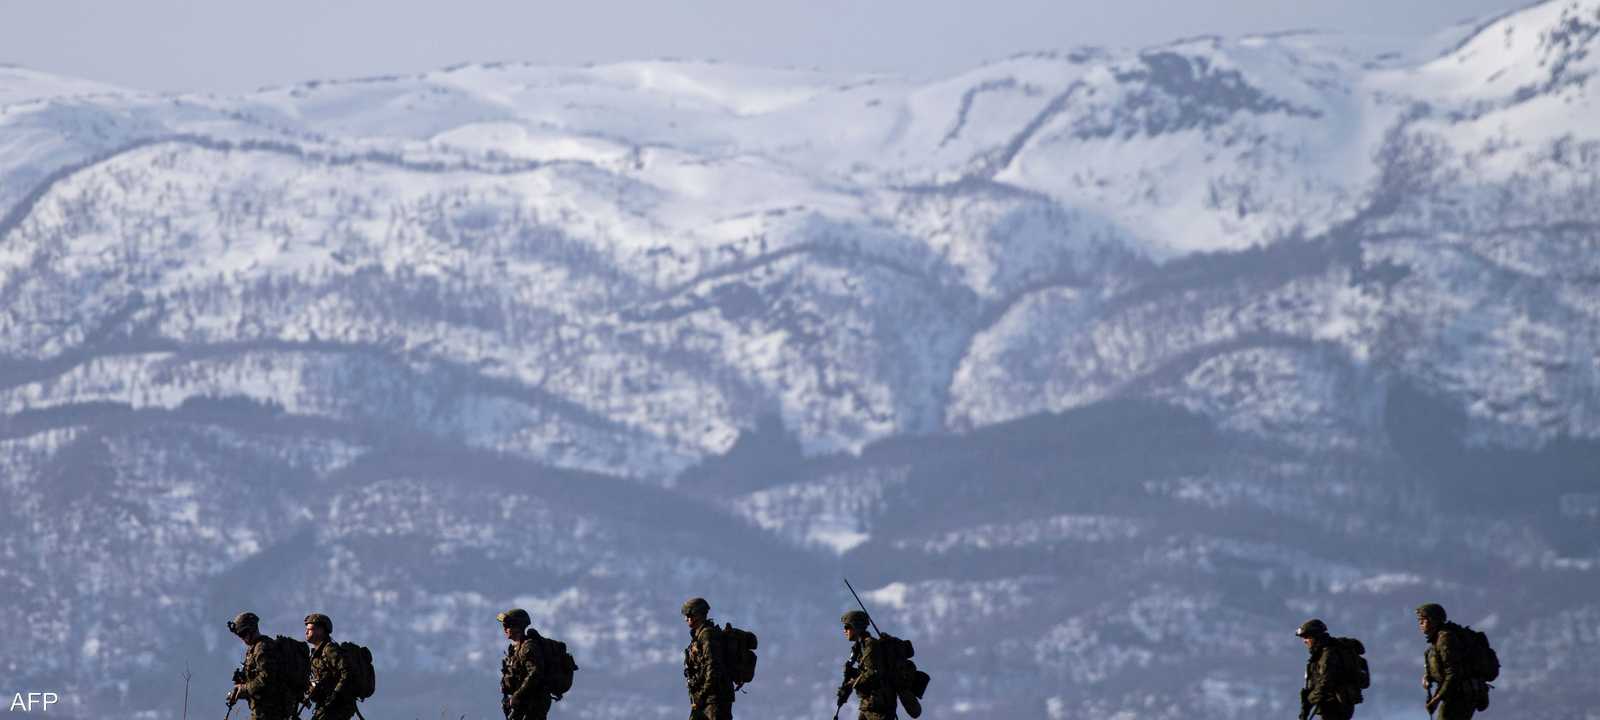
x=1101, y=370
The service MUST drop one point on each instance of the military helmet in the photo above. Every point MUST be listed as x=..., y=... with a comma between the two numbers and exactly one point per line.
x=1432, y=611
x=243, y=621
x=1312, y=628
x=514, y=618
x=696, y=606
x=856, y=619
x=315, y=619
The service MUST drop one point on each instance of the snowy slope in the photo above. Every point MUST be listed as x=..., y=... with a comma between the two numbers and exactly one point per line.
x=1111, y=350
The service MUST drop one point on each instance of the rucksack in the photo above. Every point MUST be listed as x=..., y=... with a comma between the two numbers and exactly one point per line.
x=557, y=667
x=739, y=652
x=294, y=656
x=358, y=661
x=909, y=682
x=1482, y=661
x=1356, y=676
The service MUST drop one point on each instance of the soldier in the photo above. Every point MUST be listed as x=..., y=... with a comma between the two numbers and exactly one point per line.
x=704, y=668
x=523, y=695
x=1328, y=671
x=1445, y=665
x=262, y=680
x=332, y=687
x=865, y=672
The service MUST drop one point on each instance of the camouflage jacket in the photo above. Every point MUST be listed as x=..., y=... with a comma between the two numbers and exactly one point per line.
x=705, y=669
x=874, y=680
x=330, y=676
x=1325, y=669
x=1445, y=663
x=520, y=670
x=265, y=677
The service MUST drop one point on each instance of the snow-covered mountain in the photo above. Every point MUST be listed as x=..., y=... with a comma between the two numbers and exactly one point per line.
x=1102, y=369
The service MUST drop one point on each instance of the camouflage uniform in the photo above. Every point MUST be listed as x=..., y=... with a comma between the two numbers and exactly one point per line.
x=521, y=683
x=704, y=670
x=1446, y=667
x=1324, y=668
x=266, y=683
x=331, y=685
x=873, y=685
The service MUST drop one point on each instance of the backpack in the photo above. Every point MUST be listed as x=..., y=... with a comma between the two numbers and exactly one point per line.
x=295, y=658
x=1483, y=663
x=739, y=652
x=358, y=661
x=909, y=682
x=557, y=667
x=1354, y=674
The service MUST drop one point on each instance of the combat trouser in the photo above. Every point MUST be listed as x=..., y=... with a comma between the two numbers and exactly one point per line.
x=536, y=708
x=335, y=711
x=271, y=709
x=870, y=715
x=712, y=711
x=1336, y=711
x=1455, y=710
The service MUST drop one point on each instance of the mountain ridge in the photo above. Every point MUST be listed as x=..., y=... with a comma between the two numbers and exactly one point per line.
x=1087, y=366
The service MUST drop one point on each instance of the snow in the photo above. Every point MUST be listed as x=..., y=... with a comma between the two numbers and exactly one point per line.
x=19, y=85
x=1383, y=583
x=674, y=178
x=619, y=268
x=892, y=595
x=1517, y=53
x=1031, y=532
x=834, y=513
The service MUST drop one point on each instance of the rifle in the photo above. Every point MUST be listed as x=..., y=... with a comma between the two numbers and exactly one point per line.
x=850, y=673
x=1427, y=690
x=305, y=700
x=233, y=694
x=888, y=677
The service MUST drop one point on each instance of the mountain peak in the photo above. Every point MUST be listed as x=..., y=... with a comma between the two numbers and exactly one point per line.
x=19, y=84
x=1541, y=49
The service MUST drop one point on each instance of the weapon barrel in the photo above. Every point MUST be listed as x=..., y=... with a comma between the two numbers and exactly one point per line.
x=863, y=606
